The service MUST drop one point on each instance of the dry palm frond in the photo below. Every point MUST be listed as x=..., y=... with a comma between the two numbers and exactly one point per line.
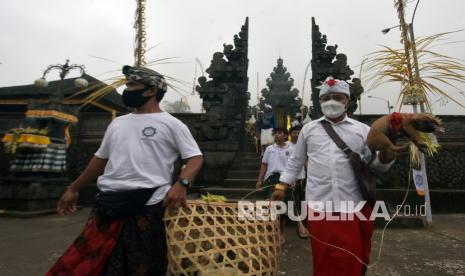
x=102, y=92
x=431, y=142
x=98, y=90
x=414, y=155
x=105, y=59
x=391, y=65
x=432, y=147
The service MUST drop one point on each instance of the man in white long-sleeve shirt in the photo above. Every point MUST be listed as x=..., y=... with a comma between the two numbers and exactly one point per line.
x=332, y=188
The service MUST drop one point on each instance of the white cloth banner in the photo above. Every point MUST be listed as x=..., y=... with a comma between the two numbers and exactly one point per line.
x=419, y=181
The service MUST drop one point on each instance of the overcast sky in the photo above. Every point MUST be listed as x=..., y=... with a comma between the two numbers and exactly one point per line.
x=36, y=33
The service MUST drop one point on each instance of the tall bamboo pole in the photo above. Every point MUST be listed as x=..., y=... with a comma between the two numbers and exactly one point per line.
x=139, y=25
x=409, y=45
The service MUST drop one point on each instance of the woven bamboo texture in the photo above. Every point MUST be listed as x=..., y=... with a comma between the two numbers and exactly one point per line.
x=208, y=238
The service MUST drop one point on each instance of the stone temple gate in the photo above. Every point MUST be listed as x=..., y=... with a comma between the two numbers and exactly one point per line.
x=220, y=132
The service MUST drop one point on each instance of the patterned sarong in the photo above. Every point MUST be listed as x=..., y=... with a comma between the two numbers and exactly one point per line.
x=131, y=246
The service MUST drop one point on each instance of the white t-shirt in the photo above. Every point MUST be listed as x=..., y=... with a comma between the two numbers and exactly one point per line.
x=141, y=150
x=275, y=158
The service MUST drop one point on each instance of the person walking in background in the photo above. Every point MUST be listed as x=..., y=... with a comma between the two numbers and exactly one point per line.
x=266, y=126
x=273, y=163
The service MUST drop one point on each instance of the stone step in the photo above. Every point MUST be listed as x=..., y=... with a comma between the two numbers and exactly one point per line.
x=240, y=183
x=249, y=147
x=234, y=193
x=247, y=158
x=247, y=154
x=254, y=162
x=244, y=167
x=242, y=174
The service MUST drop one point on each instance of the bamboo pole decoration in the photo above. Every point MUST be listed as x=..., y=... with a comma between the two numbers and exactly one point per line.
x=400, y=5
x=140, y=40
x=413, y=91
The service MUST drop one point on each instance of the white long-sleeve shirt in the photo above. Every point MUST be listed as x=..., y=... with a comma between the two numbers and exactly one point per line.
x=330, y=177
x=302, y=172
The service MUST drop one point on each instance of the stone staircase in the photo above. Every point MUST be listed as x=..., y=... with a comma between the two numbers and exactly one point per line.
x=240, y=180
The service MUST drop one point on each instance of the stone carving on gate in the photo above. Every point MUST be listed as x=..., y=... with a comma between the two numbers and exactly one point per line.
x=224, y=94
x=327, y=62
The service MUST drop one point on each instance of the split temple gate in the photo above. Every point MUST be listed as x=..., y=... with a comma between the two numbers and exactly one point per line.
x=220, y=132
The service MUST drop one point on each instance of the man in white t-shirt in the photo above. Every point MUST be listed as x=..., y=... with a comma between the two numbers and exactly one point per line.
x=274, y=162
x=134, y=167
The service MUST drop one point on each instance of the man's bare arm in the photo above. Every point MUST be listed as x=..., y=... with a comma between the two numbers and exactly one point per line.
x=193, y=166
x=261, y=174
x=67, y=203
x=177, y=195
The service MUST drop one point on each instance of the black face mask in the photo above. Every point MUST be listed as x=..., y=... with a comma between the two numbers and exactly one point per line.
x=135, y=98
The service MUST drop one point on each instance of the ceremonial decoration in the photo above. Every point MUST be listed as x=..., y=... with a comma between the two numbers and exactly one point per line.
x=98, y=91
x=404, y=66
x=422, y=74
x=209, y=238
x=39, y=145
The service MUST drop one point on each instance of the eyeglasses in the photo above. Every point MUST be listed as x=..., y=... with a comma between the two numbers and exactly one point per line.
x=336, y=97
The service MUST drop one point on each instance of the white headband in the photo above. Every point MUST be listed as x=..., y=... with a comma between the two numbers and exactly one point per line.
x=331, y=85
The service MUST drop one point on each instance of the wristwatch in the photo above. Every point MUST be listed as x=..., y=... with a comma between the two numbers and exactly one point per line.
x=185, y=182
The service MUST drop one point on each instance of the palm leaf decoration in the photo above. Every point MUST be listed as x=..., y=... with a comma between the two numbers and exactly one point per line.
x=99, y=90
x=436, y=71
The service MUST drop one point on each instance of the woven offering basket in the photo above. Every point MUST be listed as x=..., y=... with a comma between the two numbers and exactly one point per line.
x=208, y=238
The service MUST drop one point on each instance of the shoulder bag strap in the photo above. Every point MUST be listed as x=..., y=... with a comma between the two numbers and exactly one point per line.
x=336, y=138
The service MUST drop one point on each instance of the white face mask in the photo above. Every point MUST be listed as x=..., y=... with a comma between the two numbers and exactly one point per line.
x=332, y=109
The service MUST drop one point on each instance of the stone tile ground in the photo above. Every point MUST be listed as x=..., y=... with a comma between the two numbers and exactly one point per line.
x=30, y=247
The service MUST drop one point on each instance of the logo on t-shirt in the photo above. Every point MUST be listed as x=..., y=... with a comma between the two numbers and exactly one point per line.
x=149, y=132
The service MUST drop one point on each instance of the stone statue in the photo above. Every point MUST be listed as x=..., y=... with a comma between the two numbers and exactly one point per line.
x=225, y=97
x=327, y=62
x=356, y=90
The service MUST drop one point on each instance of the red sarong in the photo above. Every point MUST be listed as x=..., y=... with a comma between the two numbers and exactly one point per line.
x=352, y=235
x=90, y=251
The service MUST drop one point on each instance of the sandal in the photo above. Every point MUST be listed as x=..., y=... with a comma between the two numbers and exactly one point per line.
x=304, y=237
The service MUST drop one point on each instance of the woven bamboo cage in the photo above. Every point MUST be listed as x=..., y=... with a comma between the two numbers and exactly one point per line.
x=209, y=238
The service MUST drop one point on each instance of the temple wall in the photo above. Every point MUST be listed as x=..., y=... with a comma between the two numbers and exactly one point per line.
x=445, y=171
